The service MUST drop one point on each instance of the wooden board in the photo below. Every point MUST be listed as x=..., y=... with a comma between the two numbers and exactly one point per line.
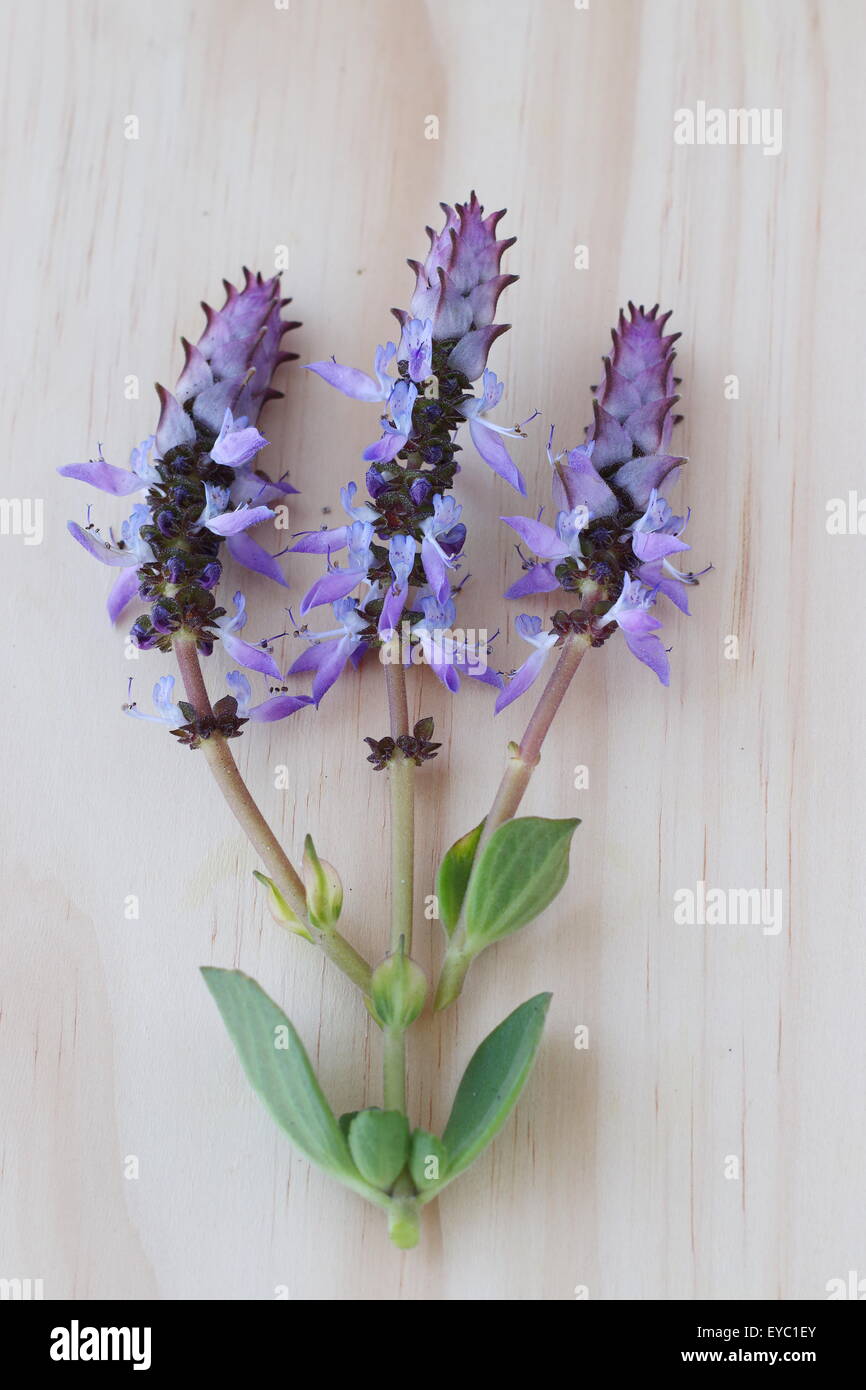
x=260, y=128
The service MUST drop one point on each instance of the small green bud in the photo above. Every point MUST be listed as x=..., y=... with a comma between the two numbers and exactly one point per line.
x=324, y=889
x=279, y=908
x=398, y=990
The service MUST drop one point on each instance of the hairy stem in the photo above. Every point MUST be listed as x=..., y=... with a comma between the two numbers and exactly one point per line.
x=224, y=769
x=523, y=758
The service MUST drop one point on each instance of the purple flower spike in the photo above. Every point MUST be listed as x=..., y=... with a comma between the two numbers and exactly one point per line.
x=203, y=486
x=634, y=405
x=611, y=550
x=458, y=286
x=417, y=538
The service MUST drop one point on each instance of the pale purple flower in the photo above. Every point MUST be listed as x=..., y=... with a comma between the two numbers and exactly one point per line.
x=331, y=651
x=435, y=559
x=631, y=612
x=448, y=656
x=166, y=711
x=401, y=557
x=237, y=443
x=417, y=348
x=398, y=428
x=276, y=707
x=129, y=552
x=530, y=629
x=656, y=534
x=225, y=381
x=486, y=435
x=552, y=545
x=328, y=539
x=355, y=383
x=254, y=658
x=120, y=482
x=339, y=583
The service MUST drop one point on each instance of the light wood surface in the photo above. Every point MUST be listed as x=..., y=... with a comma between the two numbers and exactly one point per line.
x=306, y=128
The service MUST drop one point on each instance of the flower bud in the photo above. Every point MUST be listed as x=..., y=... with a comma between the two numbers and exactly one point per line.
x=324, y=889
x=398, y=990
x=279, y=908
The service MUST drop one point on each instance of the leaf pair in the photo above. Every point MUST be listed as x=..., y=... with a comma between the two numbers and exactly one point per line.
x=368, y=1150
x=518, y=874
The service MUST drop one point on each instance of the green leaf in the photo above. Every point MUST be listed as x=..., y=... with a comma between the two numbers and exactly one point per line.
x=522, y=868
x=379, y=1143
x=492, y=1083
x=453, y=877
x=279, y=1070
x=345, y=1122
x=428, y=1161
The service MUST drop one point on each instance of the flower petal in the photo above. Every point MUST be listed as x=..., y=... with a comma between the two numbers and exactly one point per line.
x=648, y=649
x=253, y=556
x=655, y=545
x=123, y=591
x=386, y=448
x=541, y=539
x=120, y=482
x=231, y=523
x=539, y=579
x=321, y=542
x=278, y=707
x=494, y=453
x=435, y=569
x=330, y=587
x=101, y=550
x=350, y=380
x=523, y=678
x=254, y=658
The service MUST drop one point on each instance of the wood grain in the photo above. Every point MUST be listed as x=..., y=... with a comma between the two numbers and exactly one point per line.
x=259, y=128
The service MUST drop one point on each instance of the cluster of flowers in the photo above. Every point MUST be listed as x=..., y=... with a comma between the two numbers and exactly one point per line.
x=404, y=543
x=203, y=488
x=614, y=534
x=610, y=546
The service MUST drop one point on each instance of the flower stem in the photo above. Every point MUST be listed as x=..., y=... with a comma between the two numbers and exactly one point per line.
x=220, y=760
x=401, y=781
x=523, y=758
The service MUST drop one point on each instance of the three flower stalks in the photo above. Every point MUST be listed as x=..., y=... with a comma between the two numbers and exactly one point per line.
x=392, y=580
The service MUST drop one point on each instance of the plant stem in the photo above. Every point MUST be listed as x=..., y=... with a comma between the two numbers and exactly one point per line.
x=394, y=1069
x=401, y=778
x=523, y=758
x=220, y=760
x=398, y=704
x=401, y=781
